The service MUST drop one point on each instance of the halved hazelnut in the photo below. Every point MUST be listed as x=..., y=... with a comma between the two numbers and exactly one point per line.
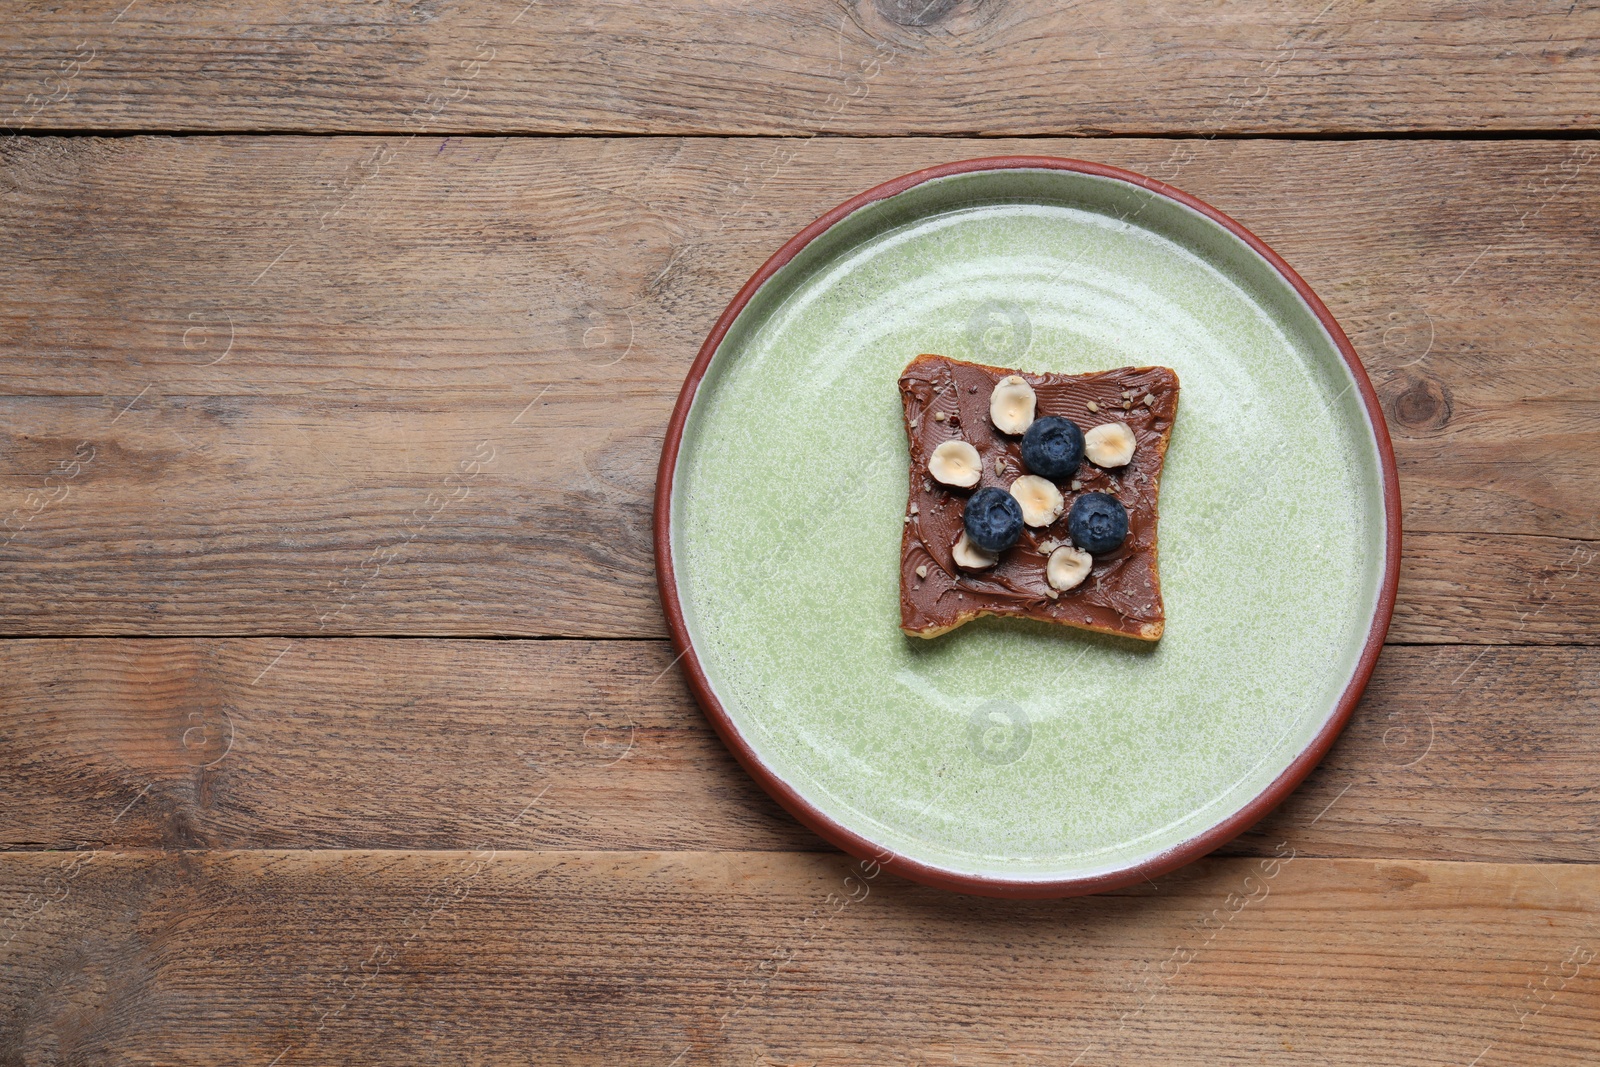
x=1012, y=404
x=1067, y=568
x=956, y=463
x=1040, y=499
x=1109, y=445
x=971, y=556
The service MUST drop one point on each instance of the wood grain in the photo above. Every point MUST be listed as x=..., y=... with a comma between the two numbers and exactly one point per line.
x=526, y=957
x=293, y=387
x=356, y=385
x=860, y=67
x=1498, y=590
x=1456, y=752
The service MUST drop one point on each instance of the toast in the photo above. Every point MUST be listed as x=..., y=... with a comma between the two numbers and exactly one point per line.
x=949, y=400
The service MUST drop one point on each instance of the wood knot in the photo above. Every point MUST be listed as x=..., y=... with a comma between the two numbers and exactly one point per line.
x=1420, y=403
x=916, y=12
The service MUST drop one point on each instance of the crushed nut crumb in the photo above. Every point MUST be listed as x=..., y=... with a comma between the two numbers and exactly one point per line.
x=1076, y=485
x=938, y=416
x=1149, y=398
x=1092, y=406
x=922, y=571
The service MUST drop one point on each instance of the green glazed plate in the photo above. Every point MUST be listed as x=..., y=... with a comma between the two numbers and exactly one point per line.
x=1010, y=757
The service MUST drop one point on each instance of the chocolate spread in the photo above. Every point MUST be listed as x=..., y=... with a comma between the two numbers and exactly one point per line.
x=1122, y=594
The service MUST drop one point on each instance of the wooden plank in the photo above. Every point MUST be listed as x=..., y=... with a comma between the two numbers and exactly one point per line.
x=392, y=744
x=355, y=385
x=1498, y=590
x=527, y=957
x=1458, y=753
x=888, y=66
x=597, y=745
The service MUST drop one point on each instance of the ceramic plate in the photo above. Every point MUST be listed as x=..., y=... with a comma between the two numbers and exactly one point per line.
x=1010, y=757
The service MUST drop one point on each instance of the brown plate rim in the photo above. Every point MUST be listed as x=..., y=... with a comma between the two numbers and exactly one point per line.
x=875, y=854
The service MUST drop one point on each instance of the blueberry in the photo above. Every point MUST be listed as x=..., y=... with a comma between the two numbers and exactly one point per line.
x=1097, y=523
x=1052, y=447
x=993, y=519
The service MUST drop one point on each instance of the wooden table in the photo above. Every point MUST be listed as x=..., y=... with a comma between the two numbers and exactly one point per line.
x=339, y=724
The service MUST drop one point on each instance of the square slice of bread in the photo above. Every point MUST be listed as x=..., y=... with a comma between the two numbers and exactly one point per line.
x=948, y=399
